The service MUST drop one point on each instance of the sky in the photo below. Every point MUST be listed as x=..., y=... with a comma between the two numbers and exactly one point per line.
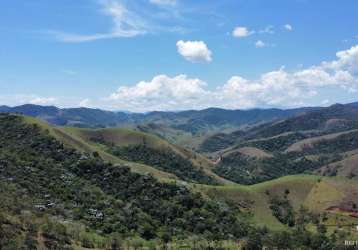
x=145, y=55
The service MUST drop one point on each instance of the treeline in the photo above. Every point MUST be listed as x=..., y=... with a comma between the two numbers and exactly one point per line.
x=243, y=169
x=340, y=144
x=165, y=160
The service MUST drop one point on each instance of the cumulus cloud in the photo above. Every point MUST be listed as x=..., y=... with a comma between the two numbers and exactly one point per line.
x=260, y=44
x=163, y=2
x=288, y=27
x=241, y=32
x=278, y=88
x=162, y=93
x=194, y=51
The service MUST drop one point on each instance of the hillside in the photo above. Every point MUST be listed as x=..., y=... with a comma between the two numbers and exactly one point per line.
x=318, y=195
x=332, y=154
x=322, y=141
x=63, y=191
x=313, y=122
x=55, y=197
x=134, y=146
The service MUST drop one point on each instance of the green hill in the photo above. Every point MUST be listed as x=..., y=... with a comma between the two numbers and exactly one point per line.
x=332, y=154
x=322, y=141
x=63, y=197
x=143, y=148
x=104, y=141
x=58, y=196
x=311, y=123
x=315, y=193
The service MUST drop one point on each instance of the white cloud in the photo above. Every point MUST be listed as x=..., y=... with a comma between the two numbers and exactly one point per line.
x=126, y=24
x=42, y=100
x=268, y=29
x=260, y=44
x=163, y=2
x=194, y=51
x=288, y=27
x=347, y=60
x=279, y=88
x=85, y=103
x=161, y=93
x=325, y=102
x=20, y=99
x=241, y=32
x=128, y=21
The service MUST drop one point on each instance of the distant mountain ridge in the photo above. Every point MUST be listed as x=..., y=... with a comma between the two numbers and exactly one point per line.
x=192, y=121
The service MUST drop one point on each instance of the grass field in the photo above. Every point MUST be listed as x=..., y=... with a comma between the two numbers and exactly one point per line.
x=313, y=192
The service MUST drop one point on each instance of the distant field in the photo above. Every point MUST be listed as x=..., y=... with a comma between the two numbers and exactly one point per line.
x=315, y=193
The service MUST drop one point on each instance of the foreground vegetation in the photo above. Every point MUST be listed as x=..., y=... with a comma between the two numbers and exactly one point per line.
x=53, y=197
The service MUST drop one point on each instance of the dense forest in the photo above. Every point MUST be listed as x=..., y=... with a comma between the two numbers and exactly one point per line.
x=165, y=160
x=250, y=170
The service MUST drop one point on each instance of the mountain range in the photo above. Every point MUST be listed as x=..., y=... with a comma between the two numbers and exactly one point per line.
x=210, y=179
x=190, y=120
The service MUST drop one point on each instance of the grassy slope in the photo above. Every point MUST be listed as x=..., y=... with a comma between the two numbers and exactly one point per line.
x=298, y=146
x=126, y=137
x=249, y=151
x=345, y=167
x=70, y=139
x=80, y=139
x=315, y=193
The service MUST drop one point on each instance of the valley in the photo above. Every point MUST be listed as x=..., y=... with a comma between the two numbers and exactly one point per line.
x=131, y=185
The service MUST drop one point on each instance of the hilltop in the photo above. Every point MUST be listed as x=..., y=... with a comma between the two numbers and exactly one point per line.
x=321, y=141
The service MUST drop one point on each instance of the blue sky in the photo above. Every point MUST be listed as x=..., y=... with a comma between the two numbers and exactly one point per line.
x=142, y=55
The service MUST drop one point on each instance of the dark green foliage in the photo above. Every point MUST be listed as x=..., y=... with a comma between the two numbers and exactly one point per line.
x=246, y=170
x=314, y=120
x=283, y=210
x=238, y=168
x=50, y=179
x=343, y=117
x=277, y=144
x=220, y=141
x=340, y=144
x=165, y=160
